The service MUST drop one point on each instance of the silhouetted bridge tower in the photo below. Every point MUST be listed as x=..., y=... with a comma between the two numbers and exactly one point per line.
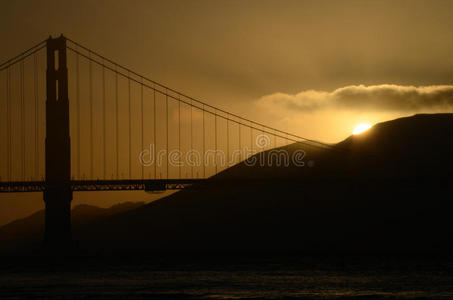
x=73, y=120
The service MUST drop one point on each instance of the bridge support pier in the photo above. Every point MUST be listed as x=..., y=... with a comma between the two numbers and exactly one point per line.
x=58, y=194
x=58, y=219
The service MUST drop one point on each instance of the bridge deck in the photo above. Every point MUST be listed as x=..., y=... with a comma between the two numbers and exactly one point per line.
x=102, y=185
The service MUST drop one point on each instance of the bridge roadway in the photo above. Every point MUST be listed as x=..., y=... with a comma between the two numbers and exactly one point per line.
x=156, y=185
x=102, y=185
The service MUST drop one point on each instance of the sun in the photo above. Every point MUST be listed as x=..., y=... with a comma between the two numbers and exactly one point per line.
x=361, y=128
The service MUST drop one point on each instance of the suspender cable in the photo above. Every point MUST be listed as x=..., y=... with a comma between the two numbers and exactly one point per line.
x=104, y=126
x=204, y=146
x=191, y=136
x=251, y=140
x=215, y=137
x=35, y=93
x=228, y=141
x=240, y=142
x=129, y=127
x=116, y=125
x=166, y=119
x=22, y=117
x=263, y=144
x=141, y=122
x=8, y=123
x=275, y=140
x=179, y=137
x=90, y=78
x=155, y=136
x=78, y=113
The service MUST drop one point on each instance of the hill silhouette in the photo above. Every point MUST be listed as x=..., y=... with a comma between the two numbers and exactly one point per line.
x=28, y=232
x=385, y=190
x=417, y=146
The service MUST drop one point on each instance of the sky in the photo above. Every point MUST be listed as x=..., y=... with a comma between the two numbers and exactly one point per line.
x=239, y=54
x=313, y=68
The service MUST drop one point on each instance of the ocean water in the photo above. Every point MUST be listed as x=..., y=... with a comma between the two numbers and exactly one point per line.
x=231, y=278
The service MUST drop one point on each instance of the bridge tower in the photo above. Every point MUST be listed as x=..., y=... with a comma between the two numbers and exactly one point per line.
x=58, y=194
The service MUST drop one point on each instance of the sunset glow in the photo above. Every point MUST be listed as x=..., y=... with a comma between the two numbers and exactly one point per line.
x=361, y=128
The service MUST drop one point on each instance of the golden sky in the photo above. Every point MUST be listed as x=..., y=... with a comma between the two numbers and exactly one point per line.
x=314, y=68
x=234, y=53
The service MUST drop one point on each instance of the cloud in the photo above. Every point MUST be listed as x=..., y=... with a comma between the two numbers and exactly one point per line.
x=385, y=97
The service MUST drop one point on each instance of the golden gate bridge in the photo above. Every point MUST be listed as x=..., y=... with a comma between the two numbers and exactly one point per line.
x=74, y=120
